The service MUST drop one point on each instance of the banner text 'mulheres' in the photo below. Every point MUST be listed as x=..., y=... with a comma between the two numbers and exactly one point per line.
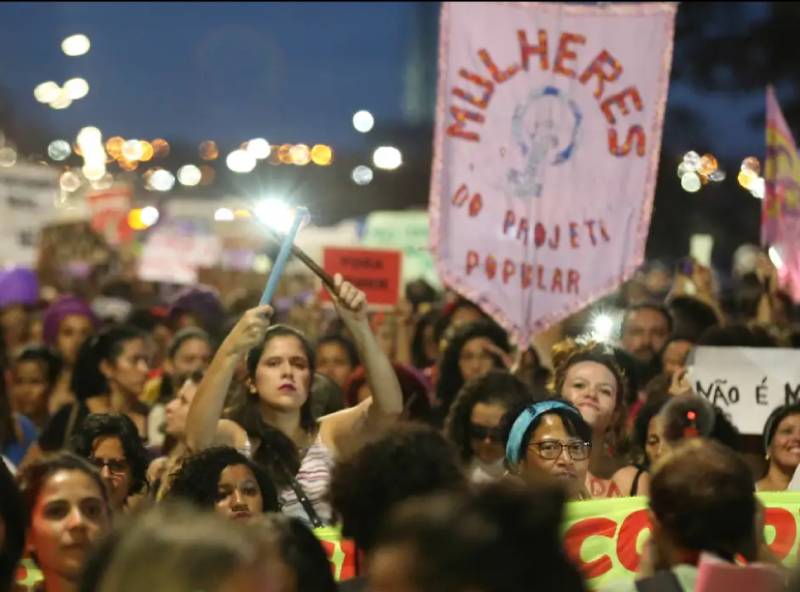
x=603, y=69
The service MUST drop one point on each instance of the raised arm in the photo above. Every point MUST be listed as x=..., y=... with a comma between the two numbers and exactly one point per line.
x=387, y=398
x=206, y=408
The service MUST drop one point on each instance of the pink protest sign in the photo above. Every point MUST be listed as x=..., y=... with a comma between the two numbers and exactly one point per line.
x=547, y=141
x=780, y=213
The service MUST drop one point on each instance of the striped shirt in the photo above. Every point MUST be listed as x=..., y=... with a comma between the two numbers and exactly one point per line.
x=314, y=477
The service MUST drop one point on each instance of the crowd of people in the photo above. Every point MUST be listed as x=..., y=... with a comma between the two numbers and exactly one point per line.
x=189, y=445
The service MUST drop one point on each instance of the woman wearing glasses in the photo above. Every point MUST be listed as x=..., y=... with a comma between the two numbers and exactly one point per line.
x=112, y=444
x=477, y=422
x=550, y=440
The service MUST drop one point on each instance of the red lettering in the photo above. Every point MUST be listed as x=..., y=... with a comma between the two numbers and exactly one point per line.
x=595, y=69
x=460, y=196
x=457, y=130
x=527, y=275
x=628, y=535
x=526, y=50
x=491, y=267
x=540, y=278
x=590, y=226
x=556, y=237
x=472, y=261
x=509, y=269
x=578, y=533
x=539, y=234
x=475, y=205
x=523, y=231
x=508, y=221
x=635, y=132
x=573, y=235
x=619, y=100
x=497, y=75
x=486, y=85
x=604, y=232
x=785, y=531
x=556, y=285
x=573, y=280
x=564, y=53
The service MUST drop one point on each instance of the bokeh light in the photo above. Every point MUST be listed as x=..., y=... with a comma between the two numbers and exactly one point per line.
x=300, y=154
x=707, y=165
x=692, y=160
x=69, y=181
x=46, y=92
x=363, y=121
x=62, y=100
x=105, y=182
x=59, y=150
x=240, y=161
x=149, y=215
x=362, y=175
x=751, y=163
x=189, y=175
x=94, y=171
x=284, y=154
x=132, y=150
x=746, y=178
x=114, y=147
x=76, y=88
x=258, y=148
x=691, y=182
x=208, y=150
x=387, y=158
x=161, y=180
x=8, y=156
x=76, y=45
x=775, y=257
x=127, y=165
x=135, y=219
x=160, y=148
x=147, y=150
x=275, y=213
x=209, y=174
x=223, y=215
x=322, y=155
x=758, y=188
x=90, y=137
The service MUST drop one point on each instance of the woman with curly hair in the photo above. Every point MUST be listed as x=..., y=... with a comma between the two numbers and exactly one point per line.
x=225, y=480
x=589, y=377
x=112, y=444
x=472, y=350
x=477, y=422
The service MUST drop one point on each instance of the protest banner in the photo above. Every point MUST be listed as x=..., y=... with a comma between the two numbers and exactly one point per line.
x=173, y=253
x=27, y=196
x=746, y=383
x=547, y=138
x=375, y=271
x=109, y=213
x=409, y=232
x=780, y=213
x=606, y=537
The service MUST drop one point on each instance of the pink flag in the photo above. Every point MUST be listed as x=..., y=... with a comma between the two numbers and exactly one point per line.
x=547, y=138
x=780, y=213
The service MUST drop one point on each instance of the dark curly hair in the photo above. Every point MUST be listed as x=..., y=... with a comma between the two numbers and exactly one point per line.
x=408, y=461
x=504, y=538
x=98, y=425
x=418, y=357
x=642, y=424
x=416, y=404
x=496, y=387
x=450, y=379
x=50, y=358
x=197, y=479
x=345, y=344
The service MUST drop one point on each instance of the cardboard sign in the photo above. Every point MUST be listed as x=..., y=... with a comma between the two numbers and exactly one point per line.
x=746, y=383
x=605, y=538
x=375, y=271
x=547, y=139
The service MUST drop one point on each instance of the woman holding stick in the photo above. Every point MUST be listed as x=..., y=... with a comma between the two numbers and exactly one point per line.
x=297, y=451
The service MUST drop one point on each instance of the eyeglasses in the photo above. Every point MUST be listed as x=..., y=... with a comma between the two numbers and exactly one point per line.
x=479, y=432
x=115, y=466
x=552, y=450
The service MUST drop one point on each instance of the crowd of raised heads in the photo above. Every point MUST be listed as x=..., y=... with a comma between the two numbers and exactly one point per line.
x=184, y=440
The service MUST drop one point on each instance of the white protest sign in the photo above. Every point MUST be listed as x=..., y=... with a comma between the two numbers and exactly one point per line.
x=746, y=383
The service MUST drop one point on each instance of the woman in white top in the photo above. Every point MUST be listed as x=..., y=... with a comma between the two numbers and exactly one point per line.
x=297, y=451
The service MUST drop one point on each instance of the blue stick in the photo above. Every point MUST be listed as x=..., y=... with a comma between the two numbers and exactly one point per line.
x=283, y=256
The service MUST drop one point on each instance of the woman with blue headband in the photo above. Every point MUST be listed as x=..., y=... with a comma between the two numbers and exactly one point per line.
x=550, y=440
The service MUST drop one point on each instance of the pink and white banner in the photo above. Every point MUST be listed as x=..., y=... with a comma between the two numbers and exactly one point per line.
x=547, y=140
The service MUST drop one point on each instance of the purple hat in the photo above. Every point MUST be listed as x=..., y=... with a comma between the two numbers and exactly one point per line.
x=58, y=311
x=203, y=303
x=18, y=285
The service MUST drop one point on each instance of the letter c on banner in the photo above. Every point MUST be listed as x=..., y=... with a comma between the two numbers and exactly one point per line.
x=578, y=533
x=785, y=531
x=628, y=536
